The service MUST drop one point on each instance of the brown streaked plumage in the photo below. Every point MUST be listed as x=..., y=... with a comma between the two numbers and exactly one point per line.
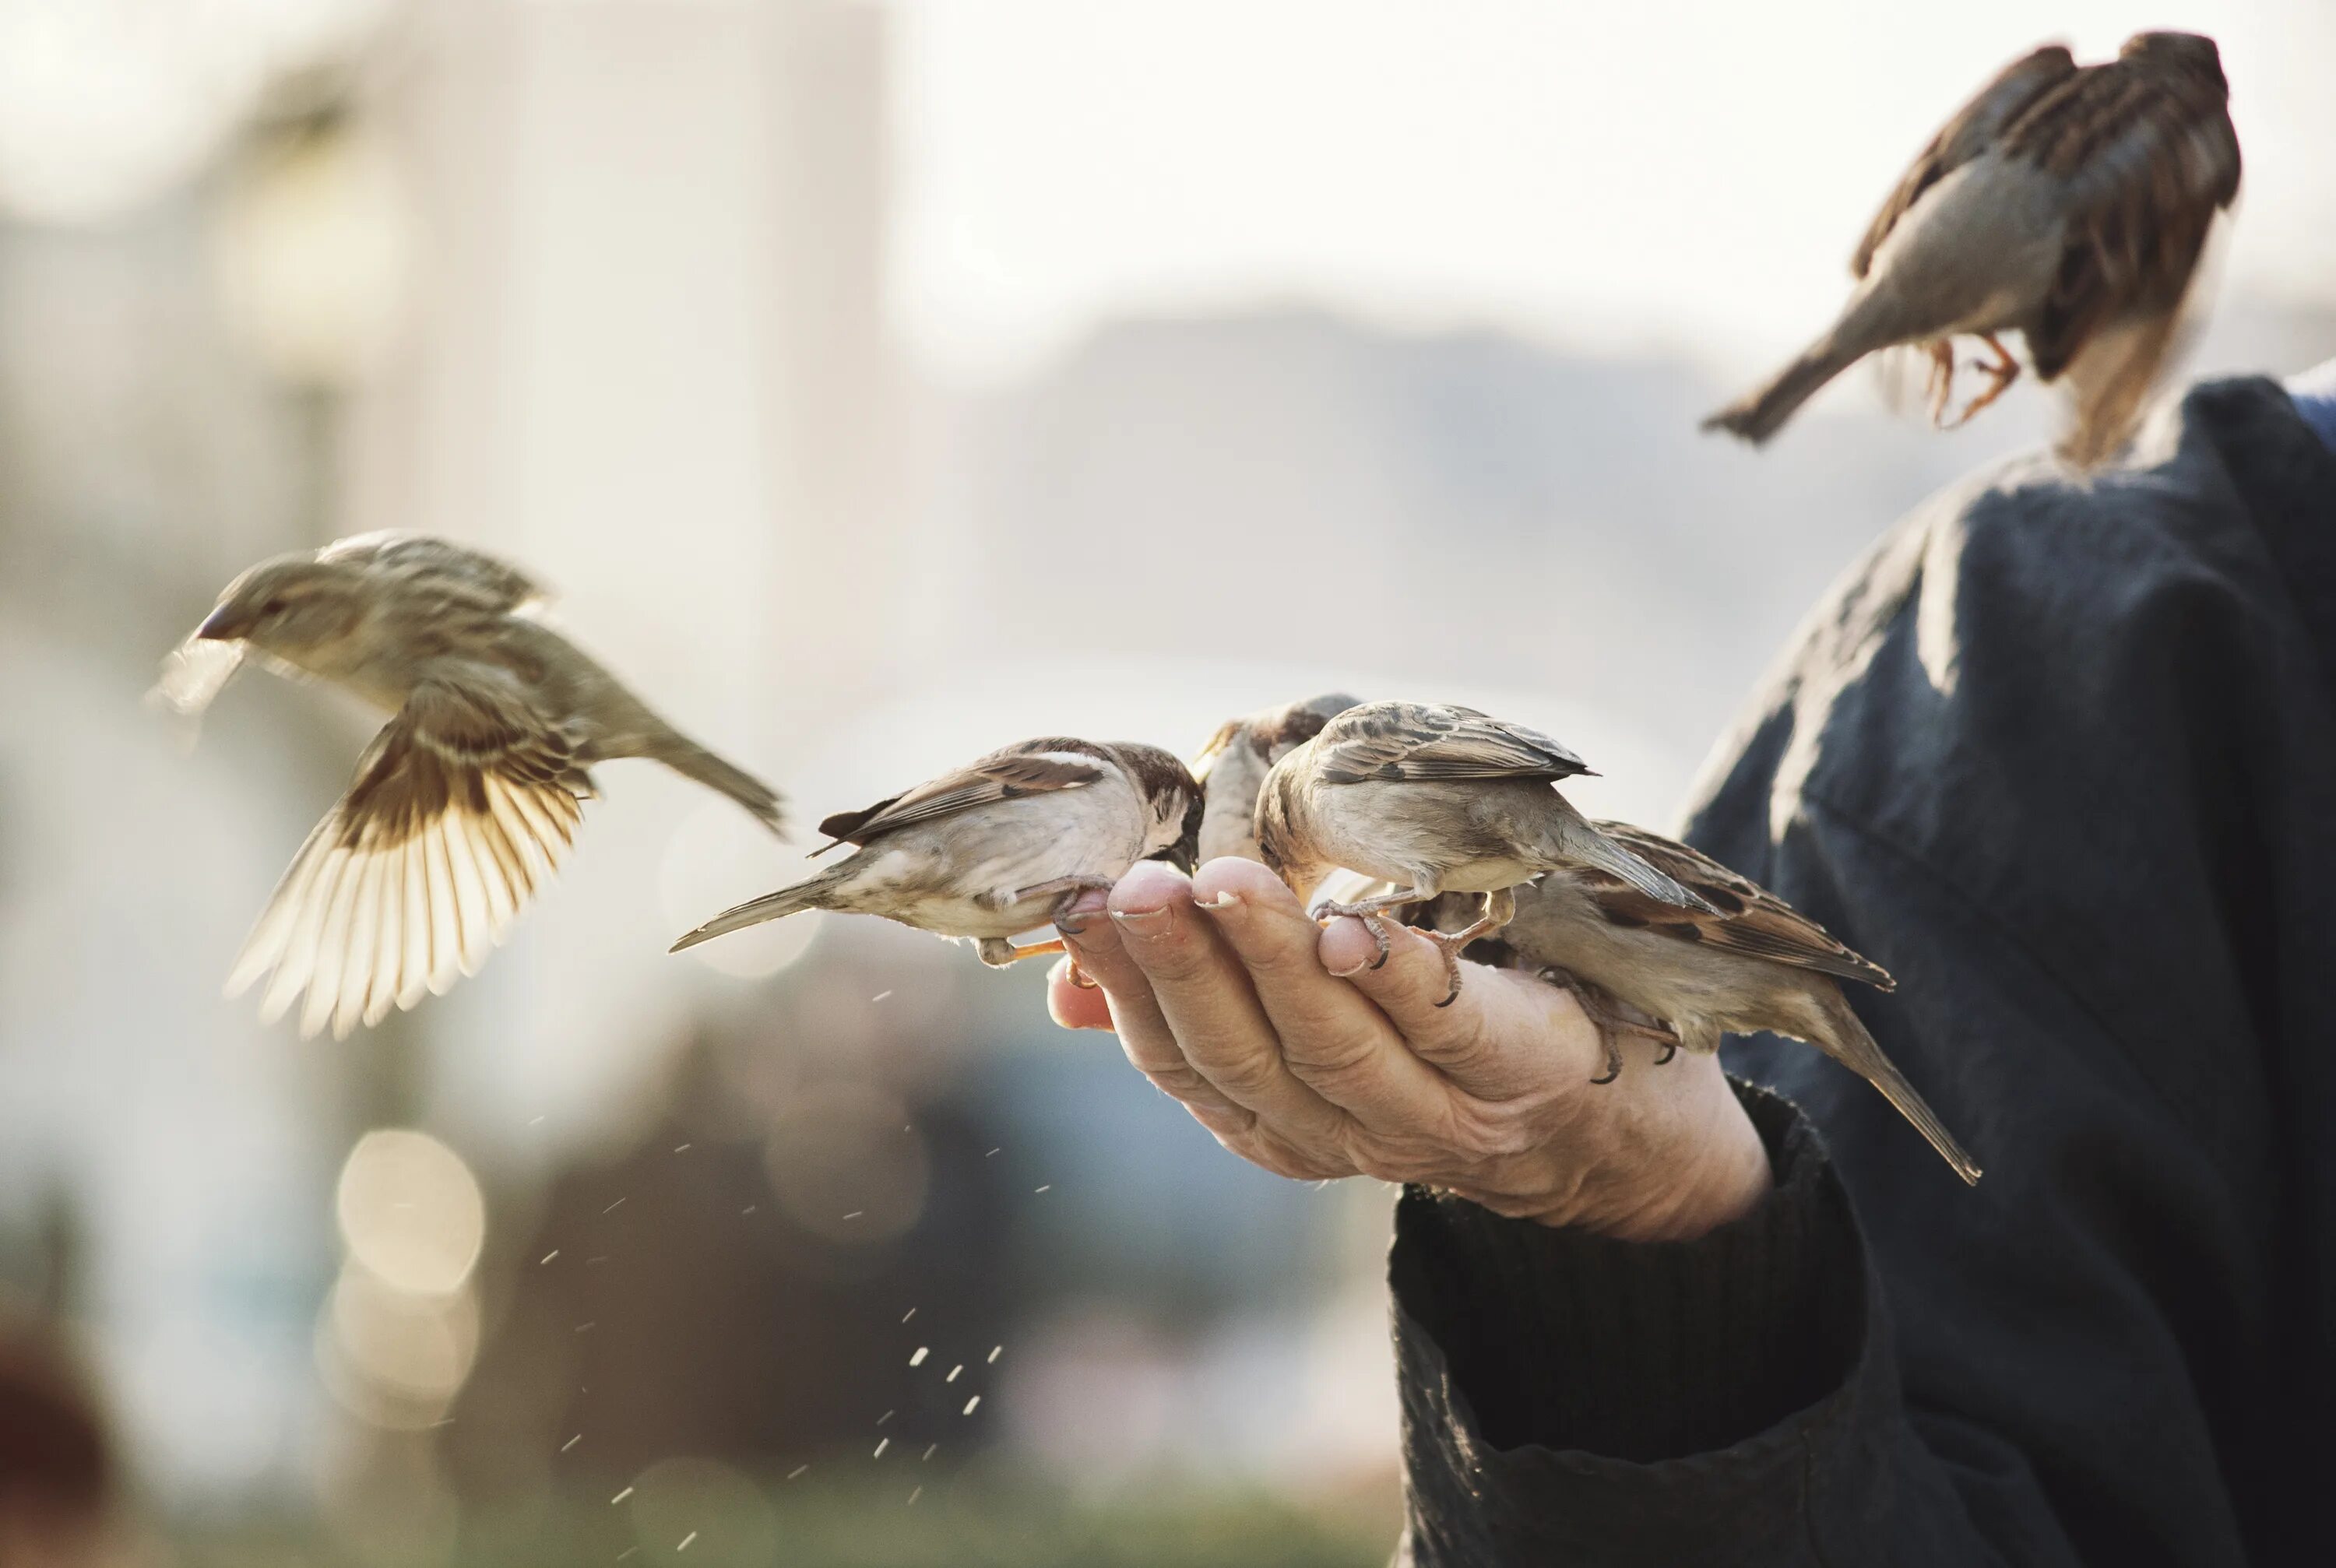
x=997, y=847
x=2068, y=203
x=464, y=803
x=1748, y=963
x=1434, y=799
x=1233, y=766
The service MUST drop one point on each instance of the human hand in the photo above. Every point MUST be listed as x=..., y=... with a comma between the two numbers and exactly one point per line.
x=1279, y=1038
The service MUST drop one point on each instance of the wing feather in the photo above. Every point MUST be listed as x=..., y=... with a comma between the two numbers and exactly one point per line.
x=1745, y=917
x=1416, y=742
x=1030, y=767
x=462, y=806
x=1974, y=128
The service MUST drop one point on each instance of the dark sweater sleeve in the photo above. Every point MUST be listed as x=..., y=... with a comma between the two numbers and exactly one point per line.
x=2058, y=755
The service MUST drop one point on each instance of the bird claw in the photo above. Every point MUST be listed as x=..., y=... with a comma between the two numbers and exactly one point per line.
x=1369, y=915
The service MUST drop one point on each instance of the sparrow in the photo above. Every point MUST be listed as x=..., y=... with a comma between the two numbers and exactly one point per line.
x=469, y=797
x=1746, y=962
x=1231, y=768
x=2068, y=203
x=1000, y=846
x=1435, y=800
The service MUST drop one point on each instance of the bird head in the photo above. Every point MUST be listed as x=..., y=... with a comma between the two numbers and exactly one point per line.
x=290, y=607
x=1170, y=800
x=2193, y=49
x=1233, y=766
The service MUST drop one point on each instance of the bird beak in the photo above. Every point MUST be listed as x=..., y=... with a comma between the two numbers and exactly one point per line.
x=222, y=625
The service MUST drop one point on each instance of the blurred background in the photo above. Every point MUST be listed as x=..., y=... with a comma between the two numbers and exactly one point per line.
x=878, y=383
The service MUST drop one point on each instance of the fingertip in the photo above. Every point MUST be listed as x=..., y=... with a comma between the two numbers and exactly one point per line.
x=1074, y=1007
x=1348, y=948
x=1247, y=882
x=1147, y=888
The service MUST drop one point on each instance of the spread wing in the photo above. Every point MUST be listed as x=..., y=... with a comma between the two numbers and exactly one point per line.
x=440, y=565
x=1975, y=126
x=1416, y=742
x=462, y=806
x=1745, y=918
x=2146, y=145
x=1032, y=767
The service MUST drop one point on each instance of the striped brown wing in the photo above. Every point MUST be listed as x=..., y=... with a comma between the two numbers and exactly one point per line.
x=1418, y=742
x=439, y=566
x=2146, y=147
x=1974, y=128
x=1745, y=917
x=461, y=808
x=1031, y=767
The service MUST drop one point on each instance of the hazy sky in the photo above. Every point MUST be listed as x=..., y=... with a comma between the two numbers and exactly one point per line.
x=1691, y=175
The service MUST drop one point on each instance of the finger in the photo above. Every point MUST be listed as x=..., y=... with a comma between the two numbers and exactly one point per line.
x=1476, y=1040
x=1134, y=1014
x=1203, y=992
x=1075, y=1007
x=1334, y=1039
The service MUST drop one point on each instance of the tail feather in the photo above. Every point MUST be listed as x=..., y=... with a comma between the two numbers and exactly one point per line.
x=1858, y=1051
x=693, y=761
x=808, y=894
x=1760, y=414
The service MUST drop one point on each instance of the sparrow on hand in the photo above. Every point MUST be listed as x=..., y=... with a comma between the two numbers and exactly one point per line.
x=1436, y=800
x=1745, y=963
x=467, y=800
x=2069, y=204
x=1231, y=769
x=1001, y=846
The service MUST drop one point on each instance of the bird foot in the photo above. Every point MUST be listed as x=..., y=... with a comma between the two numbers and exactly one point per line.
x=1604, y=1013
x=2002, y=373
x=1367, y=912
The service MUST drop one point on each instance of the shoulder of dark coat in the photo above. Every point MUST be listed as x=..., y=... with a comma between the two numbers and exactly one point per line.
x=2017, y=609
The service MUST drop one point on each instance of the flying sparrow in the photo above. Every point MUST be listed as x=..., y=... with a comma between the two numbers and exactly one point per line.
x=2068, y=203
x=1434, y=799
x=464, y=803
x=1001, y=846
x=1231, y=769
x=1746, y=963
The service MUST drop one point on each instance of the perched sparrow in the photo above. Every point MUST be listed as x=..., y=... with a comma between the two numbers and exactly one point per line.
x=1434, y=799
x=465, y=801
x=1746, y=963
x=2069, y=204
x=1231, y=769
x=998, y=847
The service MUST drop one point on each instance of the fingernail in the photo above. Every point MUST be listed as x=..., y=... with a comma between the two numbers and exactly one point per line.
x=1225, y=900
x=1350, y=974
x=1143, y=922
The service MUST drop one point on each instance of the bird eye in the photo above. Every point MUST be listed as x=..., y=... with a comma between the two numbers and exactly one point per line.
x=272, y=606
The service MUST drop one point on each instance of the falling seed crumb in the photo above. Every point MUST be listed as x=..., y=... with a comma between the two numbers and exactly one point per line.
x=552, y=1255
x=908, y=1314
x=1048, y=1185
x=886, y=1417
x=953, y=1372
x=918, y=1359
x=601, y=1259
x=621, y=1496
x=969, y=1404
x=797, y=1471
x=996, y=1351
x=750, y=1208
x=571, y=1442
x=915, y=1494
x=535, y=1121
x=879, y=995
x=615, y=1206
x=686, y=1540
x=882, y=1443
x=627, y=1553
x=855, y=1213
x=930, y=1448
x=587, y=1327
x=991, y=1152
x=681, y=1148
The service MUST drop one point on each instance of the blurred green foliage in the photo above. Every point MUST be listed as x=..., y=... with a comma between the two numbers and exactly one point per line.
x=956, y=1521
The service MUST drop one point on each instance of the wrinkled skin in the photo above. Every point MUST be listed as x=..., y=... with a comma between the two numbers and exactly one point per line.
x=1280, y=1038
